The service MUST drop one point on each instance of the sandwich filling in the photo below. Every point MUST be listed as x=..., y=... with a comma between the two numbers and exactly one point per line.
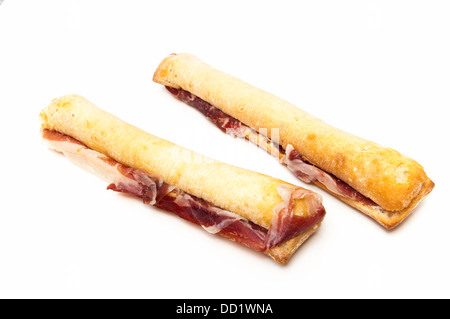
x=154, y=191
x=294, y=161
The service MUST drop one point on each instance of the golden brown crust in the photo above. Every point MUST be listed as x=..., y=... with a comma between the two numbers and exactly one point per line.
x=282, y=253
x=382, y=174
x=388, y=219
x=246, y=193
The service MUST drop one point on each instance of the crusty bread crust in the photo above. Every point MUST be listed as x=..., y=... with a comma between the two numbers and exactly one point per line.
x=393, y=181
x=388, y=219
x=249, y=194
x=282, y=253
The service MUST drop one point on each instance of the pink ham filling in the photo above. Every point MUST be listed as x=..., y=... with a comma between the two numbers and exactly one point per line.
x=296, y=163
x=153, y=191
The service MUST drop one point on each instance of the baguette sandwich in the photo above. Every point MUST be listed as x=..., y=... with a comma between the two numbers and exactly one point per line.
x=376, y=180
x=259, y=211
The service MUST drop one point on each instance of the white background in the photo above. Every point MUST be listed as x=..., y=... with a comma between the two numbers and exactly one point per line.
x=379, y=69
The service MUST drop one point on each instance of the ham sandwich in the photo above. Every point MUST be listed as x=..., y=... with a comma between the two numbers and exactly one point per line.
x=376, y=180
x=256, y=210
